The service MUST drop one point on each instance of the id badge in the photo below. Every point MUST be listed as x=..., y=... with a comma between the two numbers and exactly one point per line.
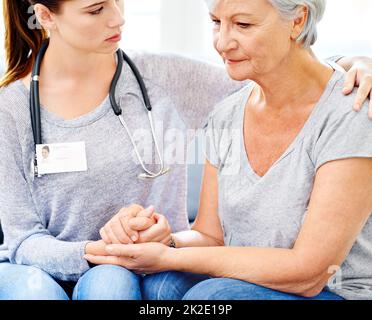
x=61, y=157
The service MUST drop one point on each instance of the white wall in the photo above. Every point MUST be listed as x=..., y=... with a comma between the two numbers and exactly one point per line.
x=183, y=26
x=345, y=29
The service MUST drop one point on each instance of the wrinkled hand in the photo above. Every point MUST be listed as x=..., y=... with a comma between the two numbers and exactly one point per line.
x=141, y=258
x=360, y=75
x=119, y=229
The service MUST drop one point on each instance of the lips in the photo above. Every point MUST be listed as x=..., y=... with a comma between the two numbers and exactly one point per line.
x=232, y=61
x=114, y=38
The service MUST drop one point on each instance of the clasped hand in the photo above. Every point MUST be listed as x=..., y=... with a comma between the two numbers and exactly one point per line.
x=136, y=224
x=137, y=238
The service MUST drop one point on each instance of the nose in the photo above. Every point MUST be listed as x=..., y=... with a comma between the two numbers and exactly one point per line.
x=224, y=40
x=117, y=16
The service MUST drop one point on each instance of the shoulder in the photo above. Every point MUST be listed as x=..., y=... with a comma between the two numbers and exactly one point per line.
x=340, y=132
x=226, y=112
x=339, y=107
x=14, y=105
x=13, y=98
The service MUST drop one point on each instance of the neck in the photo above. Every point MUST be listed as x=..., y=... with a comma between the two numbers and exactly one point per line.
x=299, y=79
x=62, y=61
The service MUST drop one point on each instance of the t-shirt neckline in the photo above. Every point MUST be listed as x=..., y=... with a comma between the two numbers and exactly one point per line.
x=83, y=120
x=246, y=166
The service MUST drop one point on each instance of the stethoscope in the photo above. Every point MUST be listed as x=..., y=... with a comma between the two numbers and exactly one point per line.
x=121, y=57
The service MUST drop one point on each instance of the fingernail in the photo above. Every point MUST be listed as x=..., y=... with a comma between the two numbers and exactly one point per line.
x=357, y=107
x=134, y=238
x=150, y=208
x=109, y=248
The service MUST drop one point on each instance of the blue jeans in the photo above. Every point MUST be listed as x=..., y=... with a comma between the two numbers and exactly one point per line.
x=170, y=285
x=105, y=282
x=186, y=286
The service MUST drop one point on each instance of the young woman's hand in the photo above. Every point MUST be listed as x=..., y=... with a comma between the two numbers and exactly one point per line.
x=160, y=231
x=360, y=75
x=97, y=248
x=119, y=231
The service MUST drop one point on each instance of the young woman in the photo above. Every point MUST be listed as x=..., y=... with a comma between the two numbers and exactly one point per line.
x=52, y=216
x=287, y=182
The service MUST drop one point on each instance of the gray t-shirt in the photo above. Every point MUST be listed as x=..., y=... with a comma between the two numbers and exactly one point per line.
x=47, y=221
x=268, y=211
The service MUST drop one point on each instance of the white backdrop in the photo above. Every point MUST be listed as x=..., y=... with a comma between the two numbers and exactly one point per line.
x=183, y=26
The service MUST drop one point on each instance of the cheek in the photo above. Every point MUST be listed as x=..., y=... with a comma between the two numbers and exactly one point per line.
x=264, y=49
x=280, y=41
x=279, y=48
x=253, y=47
x=80, y=29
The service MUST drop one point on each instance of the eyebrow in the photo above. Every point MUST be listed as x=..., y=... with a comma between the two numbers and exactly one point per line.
x=94, y=4
x=234, y=15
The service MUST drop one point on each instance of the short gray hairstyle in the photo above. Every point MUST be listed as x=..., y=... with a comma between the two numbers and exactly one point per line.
x=289, y=10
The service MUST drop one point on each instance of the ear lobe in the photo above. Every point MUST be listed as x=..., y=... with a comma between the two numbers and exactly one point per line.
x=44, y=16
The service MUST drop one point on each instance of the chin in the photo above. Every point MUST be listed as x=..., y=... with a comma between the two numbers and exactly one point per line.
x=238, y=76
x=109, y=50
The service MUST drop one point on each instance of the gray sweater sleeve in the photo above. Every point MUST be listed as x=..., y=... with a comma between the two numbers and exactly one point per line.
x=28, y=240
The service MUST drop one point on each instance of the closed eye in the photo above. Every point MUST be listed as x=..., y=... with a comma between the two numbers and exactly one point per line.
x=243, y=25
x=98, y=11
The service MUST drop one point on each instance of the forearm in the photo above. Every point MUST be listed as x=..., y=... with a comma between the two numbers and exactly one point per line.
x=278, y=269
x=62, y=260
x=193, y=238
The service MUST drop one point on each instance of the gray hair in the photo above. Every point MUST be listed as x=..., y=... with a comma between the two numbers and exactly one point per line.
x=289, y=9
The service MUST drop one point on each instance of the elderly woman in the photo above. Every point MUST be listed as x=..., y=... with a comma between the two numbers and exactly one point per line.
x=287, y=182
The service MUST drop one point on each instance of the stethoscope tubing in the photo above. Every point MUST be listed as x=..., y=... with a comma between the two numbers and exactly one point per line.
x=122, y=56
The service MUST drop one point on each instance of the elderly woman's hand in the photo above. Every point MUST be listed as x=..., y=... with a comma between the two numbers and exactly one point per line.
x=140, y=258
x=119, y=229
x=360, y=74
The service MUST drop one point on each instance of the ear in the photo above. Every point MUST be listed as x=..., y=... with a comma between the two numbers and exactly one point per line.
x=299, y=22
x=45, y=17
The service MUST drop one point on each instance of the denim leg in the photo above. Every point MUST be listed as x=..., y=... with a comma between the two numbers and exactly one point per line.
x=170, y=285
x=20, y=282
x=231, y=289
x=108, y=282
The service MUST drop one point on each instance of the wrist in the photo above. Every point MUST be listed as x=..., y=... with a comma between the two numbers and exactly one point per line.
x=172, y=242
x=170, y=259
x=87, y=249
x=345, y=62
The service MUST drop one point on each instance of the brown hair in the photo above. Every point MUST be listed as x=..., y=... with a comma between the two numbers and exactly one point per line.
x=22, y=42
